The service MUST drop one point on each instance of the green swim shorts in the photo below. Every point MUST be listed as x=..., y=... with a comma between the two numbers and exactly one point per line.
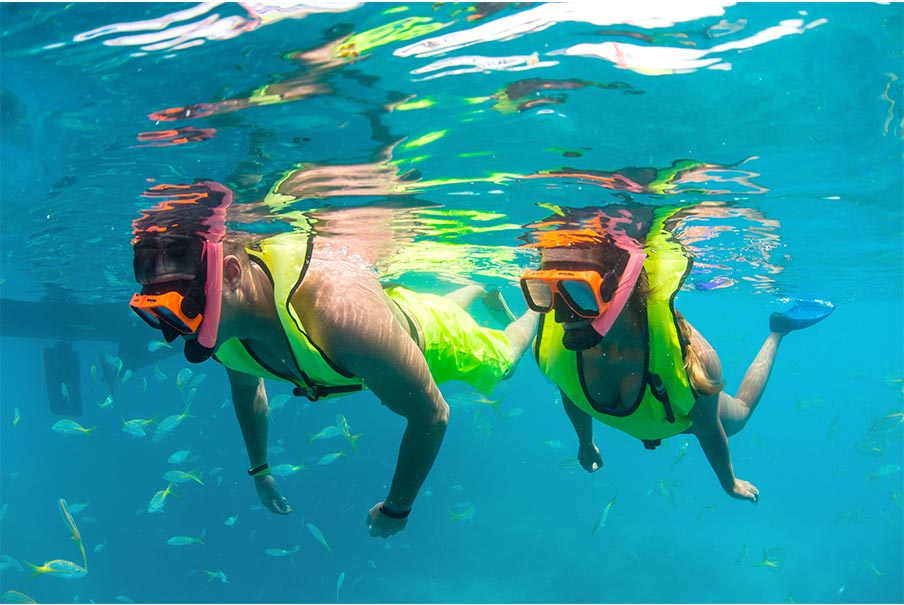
x=455, y=346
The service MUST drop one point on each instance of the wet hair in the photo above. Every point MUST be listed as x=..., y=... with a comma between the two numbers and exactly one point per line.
x=694, y=365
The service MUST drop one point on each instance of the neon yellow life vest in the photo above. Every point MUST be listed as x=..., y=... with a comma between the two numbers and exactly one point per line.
x=285, y=258
x=666, y=398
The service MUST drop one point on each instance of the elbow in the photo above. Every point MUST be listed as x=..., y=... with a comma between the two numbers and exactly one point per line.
x=440, y=418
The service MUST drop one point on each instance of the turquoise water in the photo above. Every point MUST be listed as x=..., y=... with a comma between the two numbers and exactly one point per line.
x=792, y=115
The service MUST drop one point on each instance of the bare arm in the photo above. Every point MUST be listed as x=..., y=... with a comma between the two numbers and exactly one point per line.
x=708, y=429
x=249, y=399
x=353, y=319
x=588, y=454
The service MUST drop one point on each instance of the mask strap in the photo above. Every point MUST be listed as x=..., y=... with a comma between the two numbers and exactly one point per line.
x=626, y=282
x=213, y=293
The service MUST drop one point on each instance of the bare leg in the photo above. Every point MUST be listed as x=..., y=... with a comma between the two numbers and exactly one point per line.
x=735, y=411
x=520, y=333
x=464, y=296
x=492, y=300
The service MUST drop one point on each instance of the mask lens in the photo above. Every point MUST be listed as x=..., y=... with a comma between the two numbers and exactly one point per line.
x=148, y=317
x=173, y=321
x=538, y=294
x=580, y=297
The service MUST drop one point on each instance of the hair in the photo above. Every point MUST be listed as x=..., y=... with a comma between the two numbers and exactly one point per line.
x=694, y=364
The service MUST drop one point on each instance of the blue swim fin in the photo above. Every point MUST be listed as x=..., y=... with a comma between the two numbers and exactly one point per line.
x=803, y=314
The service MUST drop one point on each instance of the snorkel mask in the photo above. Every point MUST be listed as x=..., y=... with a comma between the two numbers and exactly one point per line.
x=588, y=294
x=183, y=305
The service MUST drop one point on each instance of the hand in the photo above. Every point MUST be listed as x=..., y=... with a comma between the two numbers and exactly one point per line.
x=269, y=495
x=382, y=526
x=743, y=490
x=590, y=458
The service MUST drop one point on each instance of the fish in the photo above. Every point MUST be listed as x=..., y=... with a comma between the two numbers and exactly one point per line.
x=14, y=596
x=106, y=403
x=465, y=515
x=231, y=521
x=16, y=416
x=58, y=568
x=170, y=423
x=286, y=470
x=771, y=564
x=94, y=373
x=182, y=378
x=554, y=444
x=216, y=575
x=339, y=582
x=73, y=529
x=158, y=373
x=682, y=452
x=888, y=422
x=156, y=345
x=898, y=498
x=342, y=423
x=278, y=402
x=705, y=509
x=604, y=515
x=282, y=552
x=100, y=547
x=179, y=457
x=884, y=471
x=318, y=535
x=178, y=477
x=64, y=390
x=867, y=565
x=135, y=427
x=664, y=488
x=325, y=433
x=869, y=446
x=125, y=376
x=158, y=501
x=185, y=540
x=834, y=425
x=328, y=458
x=114, y=361
x=67, y=426
x=742, y=558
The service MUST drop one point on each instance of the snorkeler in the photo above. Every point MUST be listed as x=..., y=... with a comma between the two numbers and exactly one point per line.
x=620, y=353
x=286, y=308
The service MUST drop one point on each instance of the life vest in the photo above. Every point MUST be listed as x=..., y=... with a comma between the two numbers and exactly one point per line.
x=663, y=407
x=285, y=259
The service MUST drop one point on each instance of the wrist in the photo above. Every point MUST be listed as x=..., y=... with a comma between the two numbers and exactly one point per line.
x=259, y=471
x=393, y=513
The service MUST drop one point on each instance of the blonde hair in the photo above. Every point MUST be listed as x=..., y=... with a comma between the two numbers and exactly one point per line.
x=694, y=364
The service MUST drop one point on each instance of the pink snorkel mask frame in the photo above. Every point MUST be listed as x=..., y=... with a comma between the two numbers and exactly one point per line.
x=213, y=251
x=626, y=283
x=628, y=279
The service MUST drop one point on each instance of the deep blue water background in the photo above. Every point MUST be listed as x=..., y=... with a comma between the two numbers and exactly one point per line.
x=809, y=107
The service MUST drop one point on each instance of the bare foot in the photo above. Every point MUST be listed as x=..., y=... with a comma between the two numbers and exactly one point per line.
x=497, y=307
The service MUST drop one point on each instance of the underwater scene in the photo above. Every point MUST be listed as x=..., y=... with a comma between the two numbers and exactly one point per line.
x=647, y=203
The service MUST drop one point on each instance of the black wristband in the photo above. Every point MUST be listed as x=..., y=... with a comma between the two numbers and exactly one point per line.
x=394, y=514
x=258, y=469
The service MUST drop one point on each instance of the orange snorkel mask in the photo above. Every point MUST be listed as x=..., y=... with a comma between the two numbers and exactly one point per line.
x=196, y=310
x=186, y=306
x=589, y=294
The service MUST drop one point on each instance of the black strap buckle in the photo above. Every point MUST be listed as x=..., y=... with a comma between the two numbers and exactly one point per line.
x=309, y=392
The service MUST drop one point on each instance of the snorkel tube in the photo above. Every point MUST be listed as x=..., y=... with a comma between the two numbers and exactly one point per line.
x=626, y=283
x=201, y=348
x=613, y=227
